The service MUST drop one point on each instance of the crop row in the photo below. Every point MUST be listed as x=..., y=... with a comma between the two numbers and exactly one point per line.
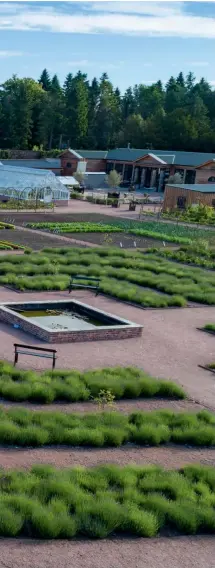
x=75, y=227
x=164, y=231
x=107, y=500
x=145, y=279
x=152, y=229
x=72, y=386
x=21, y=427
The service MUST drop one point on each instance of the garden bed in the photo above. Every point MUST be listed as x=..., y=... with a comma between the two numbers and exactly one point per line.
x=131, y=276
x=25, y=428
x=108, y=500
x=73, y=386
x=35, y=241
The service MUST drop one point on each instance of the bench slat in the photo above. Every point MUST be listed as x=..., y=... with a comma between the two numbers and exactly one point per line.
x=85, y=277
x=85, y=286
x=35, y=354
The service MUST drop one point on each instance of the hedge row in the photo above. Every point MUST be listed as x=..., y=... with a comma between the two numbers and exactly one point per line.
x=73, y=386
x=104, y=501
x=21, y=427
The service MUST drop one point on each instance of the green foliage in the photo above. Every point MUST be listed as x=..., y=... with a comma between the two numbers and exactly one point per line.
x=202, y=214
x=107, y=500
x=150, y=278
x=102, y=385
x=210, y=327
x=21, y=427
x=75, y=227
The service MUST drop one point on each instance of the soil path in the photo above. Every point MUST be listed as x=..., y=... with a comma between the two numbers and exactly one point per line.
x=169, y=457
x=179, y=552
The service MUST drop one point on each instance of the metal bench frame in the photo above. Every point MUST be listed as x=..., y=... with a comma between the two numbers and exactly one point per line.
x=21, y=349
x=88, y=286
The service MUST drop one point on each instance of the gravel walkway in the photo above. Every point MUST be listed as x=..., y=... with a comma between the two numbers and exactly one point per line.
x=125, y=406
x=170, y=347
x=179, y=552
x=169, y=457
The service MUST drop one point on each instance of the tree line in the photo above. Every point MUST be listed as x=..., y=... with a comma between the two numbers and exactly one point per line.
x=95, y=115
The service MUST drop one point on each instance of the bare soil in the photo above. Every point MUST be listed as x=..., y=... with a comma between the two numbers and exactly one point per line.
x=179, y=552
x=168, y=457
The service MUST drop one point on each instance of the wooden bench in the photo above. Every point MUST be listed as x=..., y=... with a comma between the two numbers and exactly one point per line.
x=21, y=349
x=93, y=285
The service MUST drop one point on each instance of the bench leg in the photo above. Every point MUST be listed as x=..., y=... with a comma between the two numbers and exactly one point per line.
x=53, y=363
x=15, y=359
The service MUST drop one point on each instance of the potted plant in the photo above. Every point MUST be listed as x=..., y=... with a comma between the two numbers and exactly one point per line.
x=132, y=206
x=115, y=202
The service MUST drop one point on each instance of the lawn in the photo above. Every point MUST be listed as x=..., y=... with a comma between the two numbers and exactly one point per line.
x=107, y=500
x=146, y=279
x=73, y=386
x=24, y=428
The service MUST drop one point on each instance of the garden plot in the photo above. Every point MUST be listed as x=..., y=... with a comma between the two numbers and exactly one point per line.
x=147, y=229
x=146, y=280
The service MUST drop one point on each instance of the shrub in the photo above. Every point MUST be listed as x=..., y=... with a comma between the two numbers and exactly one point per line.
x=73, y=386
x=26, y=428
x=108, y=500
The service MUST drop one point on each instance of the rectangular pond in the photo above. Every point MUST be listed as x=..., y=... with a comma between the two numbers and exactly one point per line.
x=66, y=321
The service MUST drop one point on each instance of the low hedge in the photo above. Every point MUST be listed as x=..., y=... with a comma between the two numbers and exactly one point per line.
x=21, y=427
x=141, y=501
x=210, y=327
x=73, y=386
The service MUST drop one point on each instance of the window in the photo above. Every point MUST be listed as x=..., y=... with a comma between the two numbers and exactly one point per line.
x=68, y=165
x=190, y=176
x=181, y=202
x=109, y=167
x=212, y=178
x=119, y=168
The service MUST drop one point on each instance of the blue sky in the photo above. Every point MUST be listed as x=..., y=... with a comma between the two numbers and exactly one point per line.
x=132, y=41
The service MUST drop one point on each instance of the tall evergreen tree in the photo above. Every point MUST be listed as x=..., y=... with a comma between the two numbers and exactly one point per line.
x=45, y=80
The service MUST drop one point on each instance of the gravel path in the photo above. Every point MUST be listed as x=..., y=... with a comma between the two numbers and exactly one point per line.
x=121, y=406
x=170, y=347
x=180, y=552
x=169, y=457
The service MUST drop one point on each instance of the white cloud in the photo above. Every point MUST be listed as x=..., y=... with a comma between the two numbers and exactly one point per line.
x=212, y=83
x=127, y=18
x=4, y=54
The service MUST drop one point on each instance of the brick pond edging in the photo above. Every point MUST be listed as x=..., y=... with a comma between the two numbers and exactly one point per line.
x=125, y=330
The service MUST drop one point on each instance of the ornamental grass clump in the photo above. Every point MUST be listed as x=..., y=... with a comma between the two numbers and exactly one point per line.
x=24, y=428
x=108, y=500
x=73, y=386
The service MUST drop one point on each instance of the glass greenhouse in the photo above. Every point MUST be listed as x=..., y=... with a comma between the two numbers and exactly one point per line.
x=30, y=183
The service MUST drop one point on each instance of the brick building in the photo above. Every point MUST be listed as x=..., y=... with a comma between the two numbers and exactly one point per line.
x=179, y=196
x=147, y=169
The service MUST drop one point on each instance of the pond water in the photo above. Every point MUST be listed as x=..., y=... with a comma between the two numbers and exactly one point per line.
x=61, y=319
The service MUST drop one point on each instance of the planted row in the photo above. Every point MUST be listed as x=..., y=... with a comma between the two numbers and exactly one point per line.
x=73, y=386
x=145, y=279
x=108, y=500
x=164, y=231
x=75, y=227
x=21, y=427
